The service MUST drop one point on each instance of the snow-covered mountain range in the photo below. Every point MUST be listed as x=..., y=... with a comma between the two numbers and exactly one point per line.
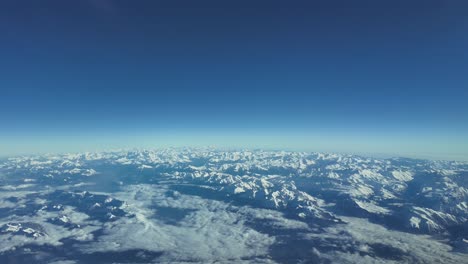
x=401, y=194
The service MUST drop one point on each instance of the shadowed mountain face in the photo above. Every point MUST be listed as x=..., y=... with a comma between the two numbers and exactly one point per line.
x=207, y=205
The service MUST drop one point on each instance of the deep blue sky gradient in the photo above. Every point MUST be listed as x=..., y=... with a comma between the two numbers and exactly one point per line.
x=382, y=76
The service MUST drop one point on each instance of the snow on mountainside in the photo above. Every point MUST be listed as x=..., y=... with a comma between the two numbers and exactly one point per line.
x=406, y=194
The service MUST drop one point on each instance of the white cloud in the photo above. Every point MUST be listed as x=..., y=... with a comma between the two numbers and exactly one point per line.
x=54, y=233
x=210, y=232
x=418, y=248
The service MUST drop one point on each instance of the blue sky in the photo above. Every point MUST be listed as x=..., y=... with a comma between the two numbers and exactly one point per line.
x=367, y=76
